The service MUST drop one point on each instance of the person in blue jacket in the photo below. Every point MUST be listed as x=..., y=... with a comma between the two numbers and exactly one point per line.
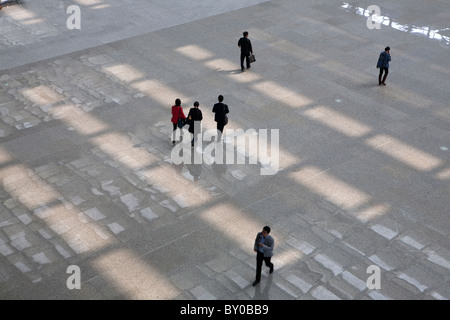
x=383, y=65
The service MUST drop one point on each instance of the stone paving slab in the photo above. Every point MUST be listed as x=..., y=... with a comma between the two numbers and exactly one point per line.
x=85, y=151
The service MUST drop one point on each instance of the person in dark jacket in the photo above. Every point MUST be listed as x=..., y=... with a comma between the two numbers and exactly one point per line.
x=263, y=246
x=177, y=113
x=383, y=65
x=195, y=116
x=246, y=49
x=220, y=109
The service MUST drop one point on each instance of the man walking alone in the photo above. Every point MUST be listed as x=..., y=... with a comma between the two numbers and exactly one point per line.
x=264, y=244
x=246, y=49
x=383, y=65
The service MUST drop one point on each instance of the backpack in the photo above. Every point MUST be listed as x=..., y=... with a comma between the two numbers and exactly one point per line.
x=381, y=60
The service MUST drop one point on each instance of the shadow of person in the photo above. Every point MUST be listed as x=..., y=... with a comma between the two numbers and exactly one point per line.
x=219, y=169
x=228, y=72
x=263, y=294
x=195, y=170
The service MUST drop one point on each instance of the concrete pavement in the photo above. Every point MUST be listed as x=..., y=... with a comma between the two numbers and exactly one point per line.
x=85, y=154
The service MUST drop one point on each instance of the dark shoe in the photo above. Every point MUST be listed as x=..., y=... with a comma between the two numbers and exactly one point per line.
x=243, y=69
x=173, y=142
x=383, y=83
x=271, y=270
x=255, y=283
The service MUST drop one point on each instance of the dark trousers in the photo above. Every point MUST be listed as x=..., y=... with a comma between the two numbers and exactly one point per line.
x=245, y=56
x=386, y=72
x=174, y=132
x=194, y=138
x=220, y=126
x=259, y=261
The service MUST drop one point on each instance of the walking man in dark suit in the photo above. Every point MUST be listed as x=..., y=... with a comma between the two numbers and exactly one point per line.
x=264, y=244
x=246, y=49
x=221, y=110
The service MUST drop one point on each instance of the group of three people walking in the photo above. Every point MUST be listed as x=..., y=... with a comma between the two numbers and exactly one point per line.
x=195, y=116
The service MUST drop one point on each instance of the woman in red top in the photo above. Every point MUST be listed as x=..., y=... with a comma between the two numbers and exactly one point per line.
x=177, y=113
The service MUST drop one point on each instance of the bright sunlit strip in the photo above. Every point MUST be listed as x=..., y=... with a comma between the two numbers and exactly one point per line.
x=23, y=185
x=124, y=72
x=221, y=64
x=282, y=94
x=338, y=121
x=331, y=188
x=21, y=15
x=232, y=70
x=158, y=91
x=194, y=52
x=120, y=148
x=226, y=224
x=27, y=187
x=89, y=2
x=372, y=213
x=404, y=153
x=444, y=174
x=84, y=123
x=41, y=95
x=5, y=157
x=134, y=277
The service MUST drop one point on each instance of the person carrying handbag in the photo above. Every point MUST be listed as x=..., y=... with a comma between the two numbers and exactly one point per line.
x=246, y=50
x=177, y=115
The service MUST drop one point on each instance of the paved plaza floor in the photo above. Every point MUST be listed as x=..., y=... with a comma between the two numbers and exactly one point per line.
x=87, y=173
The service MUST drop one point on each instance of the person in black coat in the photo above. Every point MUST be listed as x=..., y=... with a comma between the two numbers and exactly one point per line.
x=221, y=110
x=246, y=49
x=194, y=117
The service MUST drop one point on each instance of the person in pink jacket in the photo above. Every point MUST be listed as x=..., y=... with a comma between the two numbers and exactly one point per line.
x=177, y=113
